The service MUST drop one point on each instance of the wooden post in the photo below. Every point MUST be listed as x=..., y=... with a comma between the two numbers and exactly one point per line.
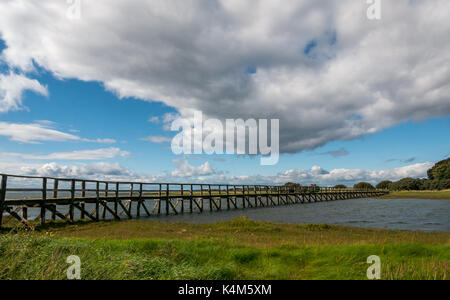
x=106, y=201
x=97, y=201
x=131, y=197
x=220, y=197
x=191, y=209
x=2, y=197
x=44, y=198
x=83, y=195
x=138, y=209
x=279, y=195
x=25, y=213
x=201, y=196
x=167, y=199
x=55, y=196
x=182, y=199
x=116, y=200
x=210, y=198
x=159, y=200
x=228, y=197
x=72, y=199
x=243, y=196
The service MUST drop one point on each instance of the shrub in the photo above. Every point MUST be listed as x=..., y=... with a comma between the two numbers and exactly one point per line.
x=292, y=187
x=441, y=170
x=409, y=184
x=340, y=186
x=384, y=185
x=406, y=184
x=364, y=186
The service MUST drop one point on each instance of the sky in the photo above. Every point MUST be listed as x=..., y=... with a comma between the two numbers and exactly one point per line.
x=88, y=89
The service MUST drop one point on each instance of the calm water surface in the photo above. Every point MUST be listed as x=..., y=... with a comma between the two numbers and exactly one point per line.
x=400, y=214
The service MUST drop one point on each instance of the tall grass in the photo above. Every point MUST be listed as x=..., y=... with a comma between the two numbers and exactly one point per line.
x=243, y=250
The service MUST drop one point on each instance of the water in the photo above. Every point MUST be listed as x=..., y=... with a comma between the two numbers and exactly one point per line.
x=398, y=214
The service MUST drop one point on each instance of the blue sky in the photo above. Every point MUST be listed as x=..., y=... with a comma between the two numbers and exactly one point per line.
x=104, y=102
x=89, y=111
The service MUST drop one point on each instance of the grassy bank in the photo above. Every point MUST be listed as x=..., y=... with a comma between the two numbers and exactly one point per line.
x=445, y=194
x=240, y=249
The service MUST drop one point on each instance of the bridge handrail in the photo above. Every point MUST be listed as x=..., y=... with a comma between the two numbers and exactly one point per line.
x=46, y=179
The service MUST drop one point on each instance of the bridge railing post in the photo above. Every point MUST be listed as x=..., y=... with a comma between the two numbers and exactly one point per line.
x=3, y=187
x=83, y=195
x=97, y=200
x=55, y=196
x=191, y=198
x=167, y=199
x=72, y=199
x=182, y=198
x=210, y=199
x=44, y=199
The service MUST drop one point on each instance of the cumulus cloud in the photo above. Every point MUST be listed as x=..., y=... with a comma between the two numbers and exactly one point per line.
x=184, y=169
x=98, y=154
x=12, y=87
x=317, y=175
x=157, y=139
x=99, y=170
x=321, y=67
x=41, y=131
x=205, y=173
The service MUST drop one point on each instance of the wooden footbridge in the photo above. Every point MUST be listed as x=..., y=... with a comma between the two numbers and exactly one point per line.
x=27, y=199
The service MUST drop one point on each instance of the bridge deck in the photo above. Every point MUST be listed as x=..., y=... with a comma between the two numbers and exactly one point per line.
x=73, y=199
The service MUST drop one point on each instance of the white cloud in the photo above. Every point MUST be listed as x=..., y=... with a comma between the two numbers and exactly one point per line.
x=204, y=173
x=234, y=58
x=100, y=141
x=33, y=133
x=98, y=154
x=157, y=139
x=99, y=171
x=12, y=87
x=41, y=131
x=154, y=119
x=184, y=169
x=317, y=175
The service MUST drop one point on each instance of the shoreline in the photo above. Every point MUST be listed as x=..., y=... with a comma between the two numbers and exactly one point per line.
x=432, y=195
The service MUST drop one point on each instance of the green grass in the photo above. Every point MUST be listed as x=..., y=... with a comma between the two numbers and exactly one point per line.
x=445, y=194
x=240, y=249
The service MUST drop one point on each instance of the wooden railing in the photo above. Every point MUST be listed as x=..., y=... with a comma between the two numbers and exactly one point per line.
x=97, y=200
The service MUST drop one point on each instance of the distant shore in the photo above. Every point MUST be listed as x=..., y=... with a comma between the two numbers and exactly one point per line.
x=440, y=195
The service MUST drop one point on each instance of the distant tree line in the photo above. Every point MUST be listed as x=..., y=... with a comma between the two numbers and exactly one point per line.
x=438, y=179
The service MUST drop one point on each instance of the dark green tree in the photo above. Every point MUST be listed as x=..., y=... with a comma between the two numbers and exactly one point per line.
x=441, y=170
x=363, y=186
x=384, y=185
x=340, y=186
x=407, y=184
x=292, y=187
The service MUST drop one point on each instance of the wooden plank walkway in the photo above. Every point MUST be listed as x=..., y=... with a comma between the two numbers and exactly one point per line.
x=75, y=199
